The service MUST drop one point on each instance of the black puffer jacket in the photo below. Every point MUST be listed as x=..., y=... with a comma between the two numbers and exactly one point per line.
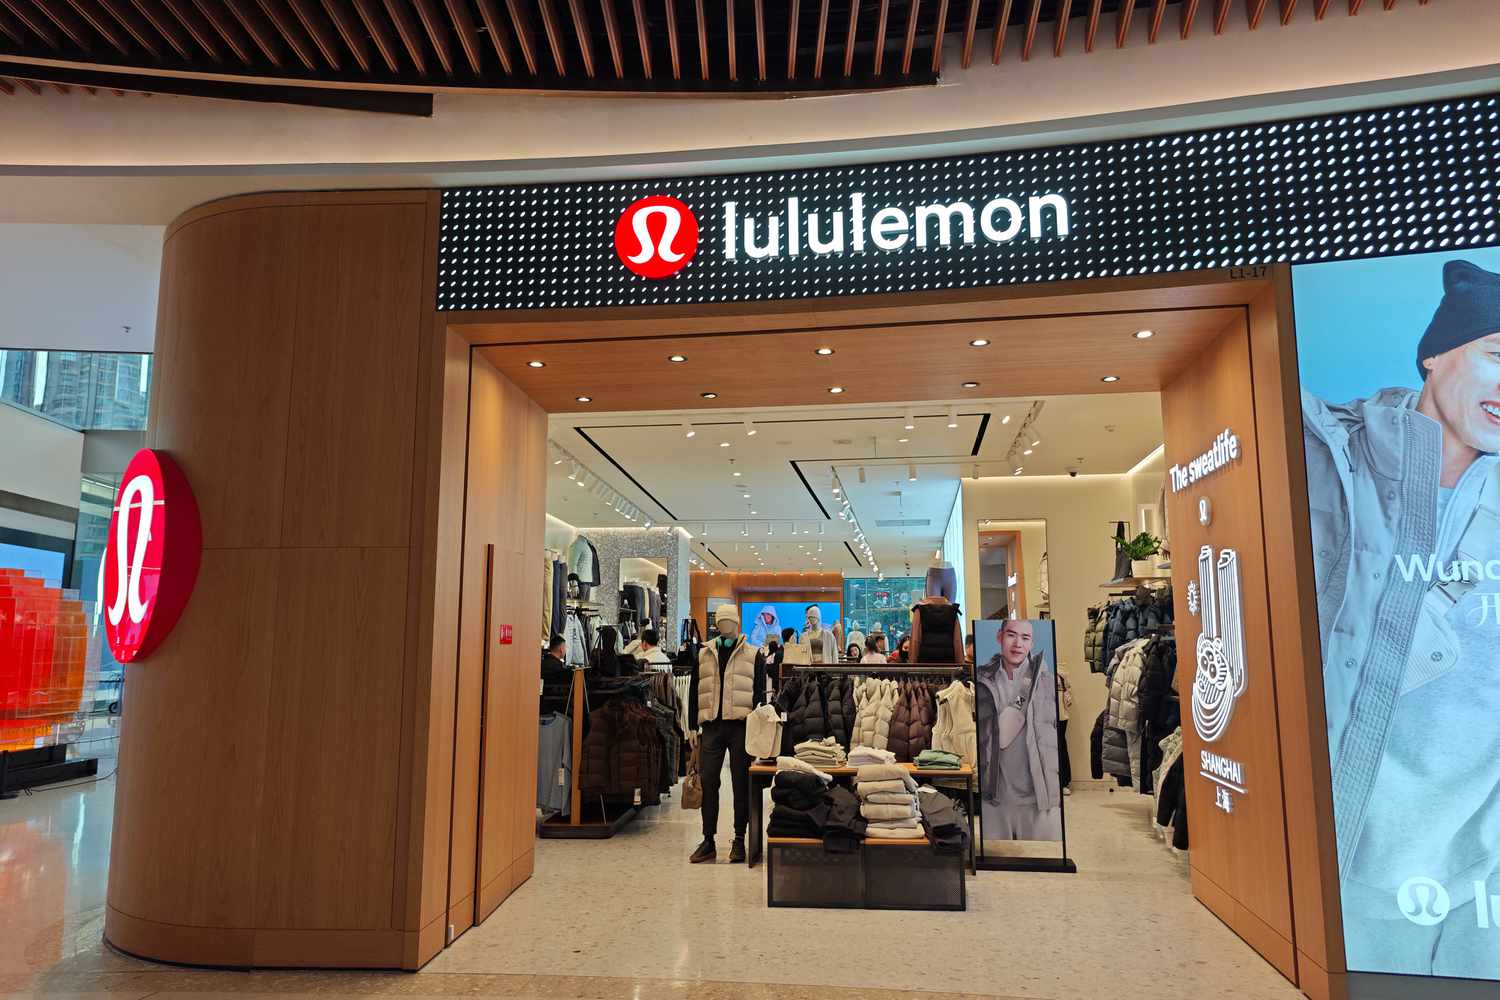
x=905, y=723
x=1161, y=712
x=1093, y=638
x=806, y=719
x=840, y=721
x=924, y=714
x=1096, y=747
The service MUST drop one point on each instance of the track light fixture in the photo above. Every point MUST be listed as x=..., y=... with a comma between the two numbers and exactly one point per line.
x=911, y=472
x=911, y=420
x=687, y=430
x=750, y=430
x=861, y=474
x=952, y=417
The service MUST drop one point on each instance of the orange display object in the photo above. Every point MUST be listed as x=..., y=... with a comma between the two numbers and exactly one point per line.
x=44, y=657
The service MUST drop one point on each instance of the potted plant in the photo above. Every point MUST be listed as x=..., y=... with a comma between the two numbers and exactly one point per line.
x=1139, y=551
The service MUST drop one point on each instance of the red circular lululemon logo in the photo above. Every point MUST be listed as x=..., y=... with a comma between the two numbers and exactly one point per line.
x=656, y=236
x=151, y=561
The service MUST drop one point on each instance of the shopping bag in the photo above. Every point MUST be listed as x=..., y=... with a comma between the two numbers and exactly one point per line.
x=692, y=785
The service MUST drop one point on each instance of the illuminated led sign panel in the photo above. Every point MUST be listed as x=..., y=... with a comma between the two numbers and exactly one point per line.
x=1336, y=187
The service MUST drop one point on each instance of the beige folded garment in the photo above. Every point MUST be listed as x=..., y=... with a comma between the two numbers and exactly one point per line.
x=866, y=788
x=882, y=772
x=912, y=832
x=890, y=798
x=880, y=810
x=793, y=764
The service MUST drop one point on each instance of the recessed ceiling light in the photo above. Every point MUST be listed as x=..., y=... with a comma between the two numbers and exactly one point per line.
x=1144, y=334
x=739, y=474
x=709, y=395
x=823, y=352
x=540, y=364
x=755, y=512
x=584, y=399
x=1005, y=419
x=971, y=385
x=1110, y=378
x=835, y=389
x=676, y=358
x=981, y=342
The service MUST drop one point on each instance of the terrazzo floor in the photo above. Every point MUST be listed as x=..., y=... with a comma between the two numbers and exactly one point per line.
x=629, y=919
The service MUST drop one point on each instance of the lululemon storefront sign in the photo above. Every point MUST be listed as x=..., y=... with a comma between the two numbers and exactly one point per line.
x=152, y=557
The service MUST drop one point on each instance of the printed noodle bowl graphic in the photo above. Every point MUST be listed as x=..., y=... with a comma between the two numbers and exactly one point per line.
x=1220, y=677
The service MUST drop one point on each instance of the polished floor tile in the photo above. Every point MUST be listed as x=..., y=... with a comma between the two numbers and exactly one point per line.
x=629, y=919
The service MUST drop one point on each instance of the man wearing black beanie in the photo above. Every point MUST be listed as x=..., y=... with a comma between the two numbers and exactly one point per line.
x=1404, y=492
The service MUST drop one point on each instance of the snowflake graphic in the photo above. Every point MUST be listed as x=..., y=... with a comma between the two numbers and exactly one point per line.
x=1192, y=596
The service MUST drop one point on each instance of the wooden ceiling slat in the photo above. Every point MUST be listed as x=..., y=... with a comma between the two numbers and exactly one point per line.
x=850, y=33
x=1122, y=23
x=409, y=32
x=5, y=86
x=702, y=19
x=166, y=24
x=286, y=25
x=61, y=14
x=1354, y=6
x=127, y=17
x=913, y=8
x=1060, y=35
x=32, y=86
x=794, y=15
x=1289, y=7
x=228, y=28
x=938, y=31
x=554, y=35
x=1188, y=10
x=643, y=38
x=92, y=91
x=612, y=35
x=882, y=20
x=1091, y=32
x=1158, y=14
x=437, y=30
x=760, y=38
x=1255, y=8
x=32, y=21
x=380, y=33
x=1031, y=22
x=13, y=29
x=822, y=40
x=674, y=44
x=1320, y=9
x=461, y=19
x=62, y=88
x=731, y=40
x=522, y=24
x=585, y=35
x=1221, y=15
x=971, y=24
x=494, y=26
x=346, y=23
x=261, y=31
x=314, y=20
x=1002, y=23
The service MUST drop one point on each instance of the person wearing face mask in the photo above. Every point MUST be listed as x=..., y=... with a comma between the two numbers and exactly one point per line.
x=819, y=638
x=729, y=684
x=1016, y=693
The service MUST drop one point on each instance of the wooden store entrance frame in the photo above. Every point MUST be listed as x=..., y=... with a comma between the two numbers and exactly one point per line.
x=311, y=314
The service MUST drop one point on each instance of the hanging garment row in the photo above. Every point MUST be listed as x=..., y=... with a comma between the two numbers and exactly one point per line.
x=1115, y=622
x=1142, y=710
x=903, y=713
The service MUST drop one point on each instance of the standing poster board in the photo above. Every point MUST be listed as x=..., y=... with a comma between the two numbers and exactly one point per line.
x=1015, y=702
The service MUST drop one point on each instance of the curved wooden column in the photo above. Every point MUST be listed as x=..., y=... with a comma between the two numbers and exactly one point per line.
x=276, y=752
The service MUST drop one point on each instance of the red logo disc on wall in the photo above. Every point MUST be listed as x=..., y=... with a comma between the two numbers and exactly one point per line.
x=151, y=562
x=656, y=236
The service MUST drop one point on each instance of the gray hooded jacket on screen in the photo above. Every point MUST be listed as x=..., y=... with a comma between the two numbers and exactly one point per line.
x=1411, y=673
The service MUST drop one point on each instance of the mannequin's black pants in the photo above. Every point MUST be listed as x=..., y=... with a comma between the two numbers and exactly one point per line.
x=720, y=738
x=1064, y=762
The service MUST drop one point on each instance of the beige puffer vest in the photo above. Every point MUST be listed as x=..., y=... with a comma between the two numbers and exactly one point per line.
x=739, y=677
x=955, y=731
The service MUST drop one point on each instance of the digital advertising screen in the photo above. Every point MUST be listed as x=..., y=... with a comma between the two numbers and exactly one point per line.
x=1399, y=359
x=764, y=620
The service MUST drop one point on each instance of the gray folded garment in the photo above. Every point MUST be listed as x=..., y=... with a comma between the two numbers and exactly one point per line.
x=911, y=831
x=793, y=764
x=881, y=811
x=868, y=788
x=890, y=798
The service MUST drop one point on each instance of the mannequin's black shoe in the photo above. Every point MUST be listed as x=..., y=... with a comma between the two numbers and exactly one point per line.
x=705, y=852
x=737, y=851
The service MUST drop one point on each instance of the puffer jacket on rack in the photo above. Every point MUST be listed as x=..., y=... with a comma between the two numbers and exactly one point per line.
x=1093, y=637
x=807, y=719
x=840, y=724
x=903, y=725
x=622, y=754
x=1161, y=712
x=954, y=729
x=1096, y=747
x=1122, y=726
x=924, y=716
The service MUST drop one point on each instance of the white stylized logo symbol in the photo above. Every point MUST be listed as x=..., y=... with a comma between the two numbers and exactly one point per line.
x=1220, y=678
x=129, y=559
x=656, y=237
x=1423, y=901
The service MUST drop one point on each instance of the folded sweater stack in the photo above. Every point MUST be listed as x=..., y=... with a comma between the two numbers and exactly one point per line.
x=938, y=760
x=861, y=755
x=801, y=805
x=943, y=821
x=793, y=764
x=821, y=753
x=888, y=802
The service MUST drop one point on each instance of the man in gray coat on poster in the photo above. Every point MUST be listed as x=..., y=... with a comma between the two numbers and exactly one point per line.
x=1016, y=698
x=1404, y=491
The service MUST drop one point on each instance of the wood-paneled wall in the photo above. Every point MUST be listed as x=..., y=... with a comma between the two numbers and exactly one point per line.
x=278, y=762
x=1238, y=859
x=792, y=586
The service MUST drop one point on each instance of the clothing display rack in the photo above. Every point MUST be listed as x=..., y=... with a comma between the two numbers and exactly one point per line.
x=606, y=822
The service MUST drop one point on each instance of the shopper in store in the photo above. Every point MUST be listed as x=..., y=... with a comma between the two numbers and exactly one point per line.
x=554, y=666
x=903, y=650
x=854, y=653
x=776, y=658
x=969, y=649
x=1017, y=709
x=728, y=685
x=649, y=653
x=874, y=653
x=1404, y=489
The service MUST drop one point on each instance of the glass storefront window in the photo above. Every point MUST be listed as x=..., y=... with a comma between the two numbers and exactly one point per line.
x=82, y=389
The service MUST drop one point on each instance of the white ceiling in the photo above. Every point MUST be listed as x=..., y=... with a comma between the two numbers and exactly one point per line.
x=643, y=462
